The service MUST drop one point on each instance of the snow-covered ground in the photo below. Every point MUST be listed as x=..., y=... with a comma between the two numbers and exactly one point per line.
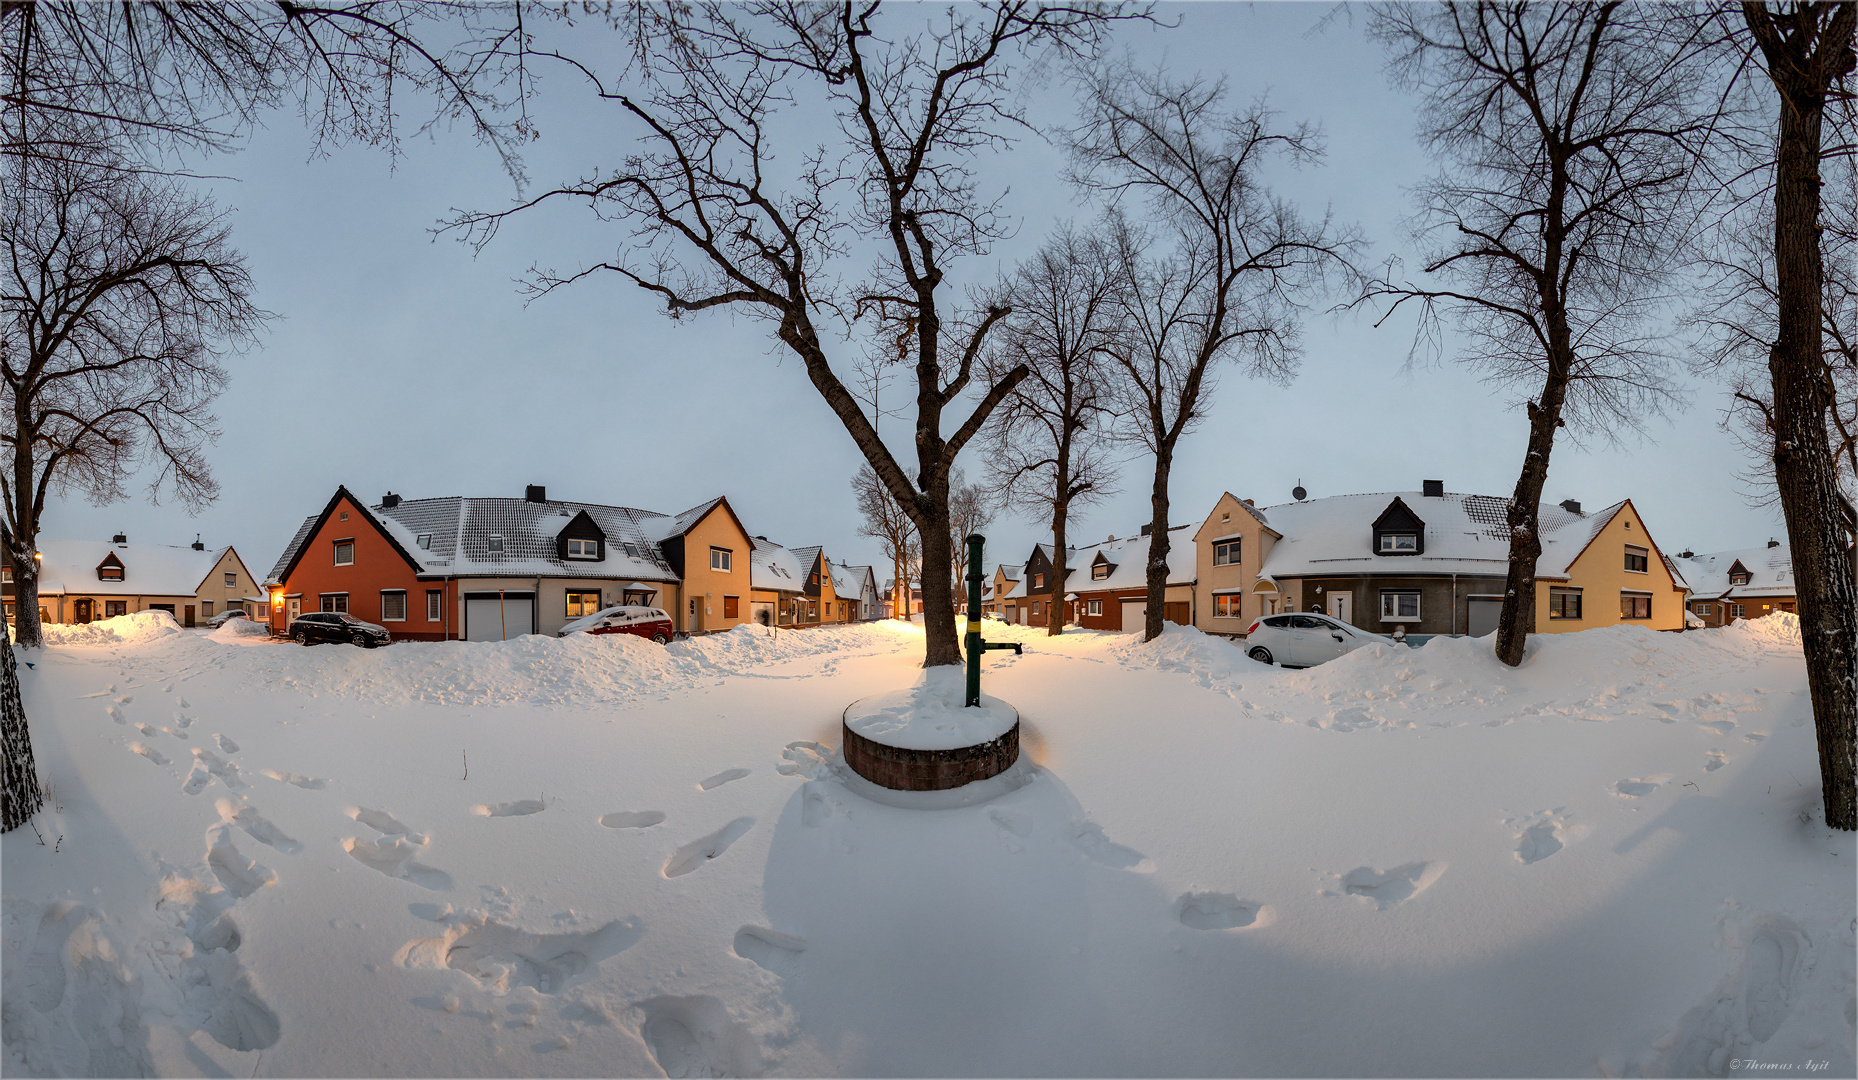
x=270, y=860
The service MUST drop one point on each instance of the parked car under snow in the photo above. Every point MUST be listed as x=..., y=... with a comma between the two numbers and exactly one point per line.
x=318, y=627
x=646, y=622
x=1305, y=639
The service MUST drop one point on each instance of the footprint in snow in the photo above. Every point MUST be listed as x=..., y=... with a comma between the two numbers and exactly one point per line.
x=1218, y=911
x=1087, y=837
x=1641, y=785
x=1721, y=727
x=632, y=819
x=149, y=752
x=769, y=949
x=519, y=808
x=1543, y=835
x=383, y=822
x=1714, y=760
x=257, y=826
x=227, y=745
x=722, y=778
x=309, y=782
x=693, y=855
x=1390, y=887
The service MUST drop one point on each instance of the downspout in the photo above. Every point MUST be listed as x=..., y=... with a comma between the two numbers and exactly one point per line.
x=1454, y=605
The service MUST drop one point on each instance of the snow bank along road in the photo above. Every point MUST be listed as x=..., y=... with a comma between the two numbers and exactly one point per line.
x=270, y=860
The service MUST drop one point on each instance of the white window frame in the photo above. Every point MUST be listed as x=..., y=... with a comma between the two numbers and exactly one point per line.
x=1643, y=553
x=385, y=593
x=232, y=579
x=1231, y=601
x=1579, y=597
x=568, y=602
x=1095, y=607
x=435, y=605
x=589, y=549
x=722, y=560
x=108, y=604
x=494, y=542
x=1390, y=541
x=1105, y=571
x=1226, y=552
x=323, y=601
x=339, y=545
x=1393, y=615
x=1706, y=609
x=1637, y=595
x=1737, y=611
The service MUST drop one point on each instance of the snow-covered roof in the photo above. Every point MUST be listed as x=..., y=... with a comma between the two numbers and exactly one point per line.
x=774, y=568
x=70, y=566
x=852, y=582
x=1129, y=560
x=662, y=528
x=459, y=531
x=1465, y=534
x=807, y=557
x=1770, y=572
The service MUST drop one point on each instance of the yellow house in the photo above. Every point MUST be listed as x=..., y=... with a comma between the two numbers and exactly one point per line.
x=1229, y=548
x=1604, y=571
x=83, y=580
x=710, y=550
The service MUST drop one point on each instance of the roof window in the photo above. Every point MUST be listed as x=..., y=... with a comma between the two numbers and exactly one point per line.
x=495, y=543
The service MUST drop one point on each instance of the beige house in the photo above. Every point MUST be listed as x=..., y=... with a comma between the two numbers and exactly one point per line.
x=81, y=581
x=1229, y=547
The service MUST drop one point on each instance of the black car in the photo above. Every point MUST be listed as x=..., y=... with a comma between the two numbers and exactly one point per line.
x=337, y=626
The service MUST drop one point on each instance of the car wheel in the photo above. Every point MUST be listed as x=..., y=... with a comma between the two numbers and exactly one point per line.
x=660, y=638
x=1260, y=654
x=359, y=639
x=302, y=636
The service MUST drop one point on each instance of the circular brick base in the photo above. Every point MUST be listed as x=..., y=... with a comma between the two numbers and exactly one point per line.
x=929, y=770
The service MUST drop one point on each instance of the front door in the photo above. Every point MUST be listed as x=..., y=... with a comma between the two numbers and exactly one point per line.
x=696, y=615
x=190, y=615
x=292, y=608
x=1338, y=607
x=80, y=610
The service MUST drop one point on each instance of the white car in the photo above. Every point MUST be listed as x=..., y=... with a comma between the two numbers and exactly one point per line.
x=1305, y=639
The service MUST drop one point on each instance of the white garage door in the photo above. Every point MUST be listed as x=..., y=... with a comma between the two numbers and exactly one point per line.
x=499, y=620
x=1483, y=614
x=1135, y=615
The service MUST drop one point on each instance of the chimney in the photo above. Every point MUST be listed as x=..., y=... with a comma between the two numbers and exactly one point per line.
x=1773, y=543
x=535, y=493
x=1433, y=489
x=389, y=501
x=1686, y=554
x=198, y=546
x=1572, y=506
x=119, y=538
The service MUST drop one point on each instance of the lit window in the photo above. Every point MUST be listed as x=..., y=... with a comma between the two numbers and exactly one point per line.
x=1635, y=606
x=1564, y=603
x=345, y=554
x=495, y=543
x=1397, y=605
x=1635, y=559
x=1399, y=541
x=583, y=603
x=583, y=549
x=393, y=606
x=720, y=559
x=1226, y=553
x=1226, y=606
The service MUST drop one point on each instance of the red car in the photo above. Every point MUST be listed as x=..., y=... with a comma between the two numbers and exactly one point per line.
x=647, y=622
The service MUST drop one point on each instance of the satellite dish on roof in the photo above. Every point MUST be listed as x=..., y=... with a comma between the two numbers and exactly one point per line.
x=1297, y=492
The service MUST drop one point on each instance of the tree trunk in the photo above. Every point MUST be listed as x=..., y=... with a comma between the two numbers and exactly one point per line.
x=942, y=646
x=21, y=797
x=1061, y=509
x=25, y=533
x=1158, y=546
x=1524, y=520
x=1804, y=468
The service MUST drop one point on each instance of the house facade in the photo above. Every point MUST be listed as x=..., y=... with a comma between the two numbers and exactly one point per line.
x=489, y=569
x=778, y=583
x=1110, y=581
x=81, y=581
x=1747, y=583
x=1427, y=562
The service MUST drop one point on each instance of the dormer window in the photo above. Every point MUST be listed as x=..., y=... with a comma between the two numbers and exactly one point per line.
x=494, y=543
x=1738, y=574
x=1399, y=531
x=110, y=569
x=1100, y=571
x=583, y=549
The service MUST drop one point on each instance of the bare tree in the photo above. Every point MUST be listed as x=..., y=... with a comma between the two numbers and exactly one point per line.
x=121, y=293
x=1048, y=446
x=162, y=74
x=1806, y=51
x=903, y=106
x=1219, y=273
x=970, y=511
x=1569, y=135
x=885, y=521
x=20, y=794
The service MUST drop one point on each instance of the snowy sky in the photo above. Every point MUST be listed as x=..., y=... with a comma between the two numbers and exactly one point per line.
x=402, y=363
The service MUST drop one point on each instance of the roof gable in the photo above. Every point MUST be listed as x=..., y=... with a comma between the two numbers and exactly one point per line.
x=312, y=528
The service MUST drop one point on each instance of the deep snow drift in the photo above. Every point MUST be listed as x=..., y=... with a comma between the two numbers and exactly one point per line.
x=597, y=856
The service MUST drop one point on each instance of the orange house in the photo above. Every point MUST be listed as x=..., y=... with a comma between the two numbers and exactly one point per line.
x=348, y=559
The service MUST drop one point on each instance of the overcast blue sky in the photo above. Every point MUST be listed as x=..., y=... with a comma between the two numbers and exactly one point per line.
x=404, y=363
